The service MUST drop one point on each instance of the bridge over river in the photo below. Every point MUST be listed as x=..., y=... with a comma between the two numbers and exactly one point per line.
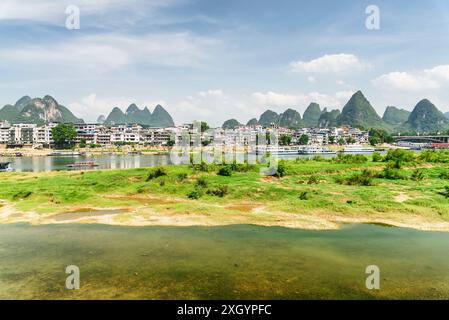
x=423, y=139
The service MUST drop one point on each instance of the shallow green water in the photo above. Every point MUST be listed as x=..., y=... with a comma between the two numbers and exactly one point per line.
x=234, y=262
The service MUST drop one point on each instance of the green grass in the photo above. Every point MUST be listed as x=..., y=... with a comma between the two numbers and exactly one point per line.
x=307, y=187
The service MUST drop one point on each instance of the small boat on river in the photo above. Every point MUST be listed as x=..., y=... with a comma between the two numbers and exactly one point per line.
x=88, y=164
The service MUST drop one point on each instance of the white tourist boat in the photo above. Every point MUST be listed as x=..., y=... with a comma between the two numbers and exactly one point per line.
x=358, y=149
x=315, y=149
x=5, y=167
x=293, y=150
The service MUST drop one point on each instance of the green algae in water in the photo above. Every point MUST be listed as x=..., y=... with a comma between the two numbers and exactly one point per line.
x=232, y=262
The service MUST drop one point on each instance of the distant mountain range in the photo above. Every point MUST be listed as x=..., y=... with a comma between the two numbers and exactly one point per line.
x=159, y=118
x=358, y=112
x=47, y=109
x=38, y=111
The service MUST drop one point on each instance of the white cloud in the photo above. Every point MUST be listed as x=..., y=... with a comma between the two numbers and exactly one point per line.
x=106, y=52
x=407, y=81
x=53, y=11
x=439, y=72
x=334, y=63
x=92, y=106
x=311, y=79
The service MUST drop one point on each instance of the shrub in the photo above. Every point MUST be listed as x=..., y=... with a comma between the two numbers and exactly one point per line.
x=417, y=175
x=445, y=193
x=357, y=179
x=220, y=191
x=203, y=167
x=304, y=195
x=181, y=176
x=313, y=180
x=377, y=157
x=225, y=171
x=156, y=173
x=194, y=195
x=22, y=195
x=281, y=170
x=444, y=175
x=350, y=158
x=201, y=182
x=399, y=156
x=242, y=167
x=441, y=156
x=391, y=173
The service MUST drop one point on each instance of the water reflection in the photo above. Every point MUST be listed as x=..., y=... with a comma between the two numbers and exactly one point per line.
x=42, y=164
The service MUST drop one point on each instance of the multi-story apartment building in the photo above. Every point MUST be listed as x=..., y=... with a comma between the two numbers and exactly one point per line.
x=22, y=134
x=5, y=133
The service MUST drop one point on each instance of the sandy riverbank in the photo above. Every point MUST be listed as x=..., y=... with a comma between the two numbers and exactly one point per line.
x=236, y=213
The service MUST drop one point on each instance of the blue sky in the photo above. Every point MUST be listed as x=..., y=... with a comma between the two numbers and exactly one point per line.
x=215, y=59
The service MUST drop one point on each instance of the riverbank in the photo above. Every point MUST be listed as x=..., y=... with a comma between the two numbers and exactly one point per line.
x=318, y=194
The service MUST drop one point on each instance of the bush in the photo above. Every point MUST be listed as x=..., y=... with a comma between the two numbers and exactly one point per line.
x=313, y=180
x=220, y=191
x=304, y=195
x=181, y=176
x=242, y=167
x=203, y=167
x=357, y=179
x=445, y=193
x=399, y=156
x=156, y=173
x=225, y=171
x=377, y=157
x=201, y=182
x=194, y=195
x=22, y=195
x=444, y=175
x=436, y=156
x=417, y=175
x=350, y=158
x=391, y=173
x=281, y=170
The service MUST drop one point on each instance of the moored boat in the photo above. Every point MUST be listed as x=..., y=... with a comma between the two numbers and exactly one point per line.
x=5, y=167
x=66, y=154
x=313, y=149
x=278, y=150
x=358, y=149
x=87, y=164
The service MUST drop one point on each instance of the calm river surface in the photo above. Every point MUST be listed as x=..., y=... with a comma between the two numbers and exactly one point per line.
x=233, y=262
x=54, y=163
x=50, y=163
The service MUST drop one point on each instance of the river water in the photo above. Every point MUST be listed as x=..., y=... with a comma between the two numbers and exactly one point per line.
x=55, y=163
x=233, y=262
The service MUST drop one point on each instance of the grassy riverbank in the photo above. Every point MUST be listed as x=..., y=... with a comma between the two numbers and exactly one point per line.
x=400, y=189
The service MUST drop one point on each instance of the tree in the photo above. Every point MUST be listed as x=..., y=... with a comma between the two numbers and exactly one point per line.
x=304, y=139
x=331, y=139
x=64, y=135
x=204, y=126
x=350, y=140
x=374, y=140
x=285, y=139
x=341, y=141
x=379, y=136
x=82, y=143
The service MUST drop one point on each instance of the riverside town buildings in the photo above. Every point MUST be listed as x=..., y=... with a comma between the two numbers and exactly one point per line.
x=106, y=135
